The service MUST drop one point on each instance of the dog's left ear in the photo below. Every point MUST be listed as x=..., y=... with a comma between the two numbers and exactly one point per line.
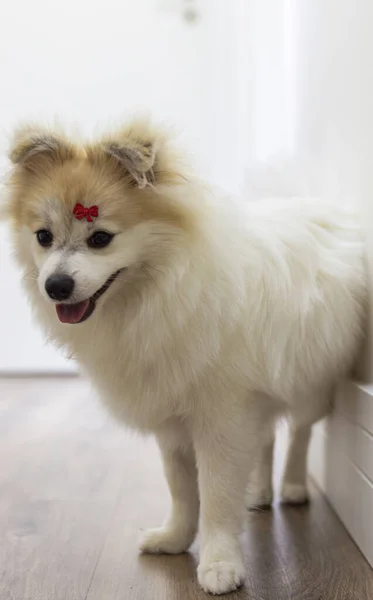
x=137, y=159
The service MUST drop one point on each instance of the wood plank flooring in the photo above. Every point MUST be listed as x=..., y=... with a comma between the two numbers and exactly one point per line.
x=75, y=490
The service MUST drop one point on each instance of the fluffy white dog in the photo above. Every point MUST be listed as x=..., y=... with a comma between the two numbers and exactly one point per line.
x=198, y=319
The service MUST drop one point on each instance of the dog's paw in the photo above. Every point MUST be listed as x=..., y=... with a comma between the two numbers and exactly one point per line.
x=164, y=541
x=294, y=493
x=221, y=577
x=258, y=499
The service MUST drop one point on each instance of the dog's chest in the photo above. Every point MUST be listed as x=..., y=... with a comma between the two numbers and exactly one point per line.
x=140, y=388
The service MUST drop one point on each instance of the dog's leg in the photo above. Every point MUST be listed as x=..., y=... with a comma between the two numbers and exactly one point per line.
x=223, y=451
x=179, y=530
x=294, y=483
x=259, y=492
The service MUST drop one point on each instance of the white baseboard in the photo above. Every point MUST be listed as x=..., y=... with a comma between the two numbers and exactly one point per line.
x=341, y=462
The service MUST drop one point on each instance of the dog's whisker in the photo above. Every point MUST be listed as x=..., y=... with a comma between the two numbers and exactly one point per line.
x=149, y=276
x=157, y=269
x=28, y=275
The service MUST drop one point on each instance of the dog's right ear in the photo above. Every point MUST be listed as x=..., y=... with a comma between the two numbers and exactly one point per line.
x=30, y=145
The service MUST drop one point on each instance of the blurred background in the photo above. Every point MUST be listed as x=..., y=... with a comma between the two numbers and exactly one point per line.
x=270, y=96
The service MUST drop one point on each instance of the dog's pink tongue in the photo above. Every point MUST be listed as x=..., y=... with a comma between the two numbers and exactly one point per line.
x=71, y=313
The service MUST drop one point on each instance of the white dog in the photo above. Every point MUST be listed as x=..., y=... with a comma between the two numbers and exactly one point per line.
x=198, y=319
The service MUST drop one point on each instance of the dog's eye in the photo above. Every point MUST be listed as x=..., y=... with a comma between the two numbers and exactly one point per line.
x=100, y=239
x=44, y=237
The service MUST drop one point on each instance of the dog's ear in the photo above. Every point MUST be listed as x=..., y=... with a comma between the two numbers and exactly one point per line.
x=30, y=144
x=136, y=159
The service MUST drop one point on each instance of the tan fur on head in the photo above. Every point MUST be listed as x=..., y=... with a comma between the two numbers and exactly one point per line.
x=140, y=151
x=130, y=168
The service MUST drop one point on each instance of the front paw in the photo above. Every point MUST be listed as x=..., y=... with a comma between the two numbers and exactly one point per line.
x=164, y=541
x=221, y=576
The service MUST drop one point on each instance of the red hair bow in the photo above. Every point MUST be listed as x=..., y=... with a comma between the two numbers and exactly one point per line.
x=82, y=212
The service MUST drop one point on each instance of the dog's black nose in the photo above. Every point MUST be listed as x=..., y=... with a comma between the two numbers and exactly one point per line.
x=59, y=287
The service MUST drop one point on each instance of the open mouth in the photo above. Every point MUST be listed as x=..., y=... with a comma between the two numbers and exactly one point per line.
x=79, y=312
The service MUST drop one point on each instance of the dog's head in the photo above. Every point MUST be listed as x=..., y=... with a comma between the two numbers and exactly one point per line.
x=88, y=217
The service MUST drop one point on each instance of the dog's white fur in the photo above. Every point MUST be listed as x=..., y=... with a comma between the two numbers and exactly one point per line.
x=256, y=315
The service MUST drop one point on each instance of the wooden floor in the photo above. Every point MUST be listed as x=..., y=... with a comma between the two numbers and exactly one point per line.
x=75, y=490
